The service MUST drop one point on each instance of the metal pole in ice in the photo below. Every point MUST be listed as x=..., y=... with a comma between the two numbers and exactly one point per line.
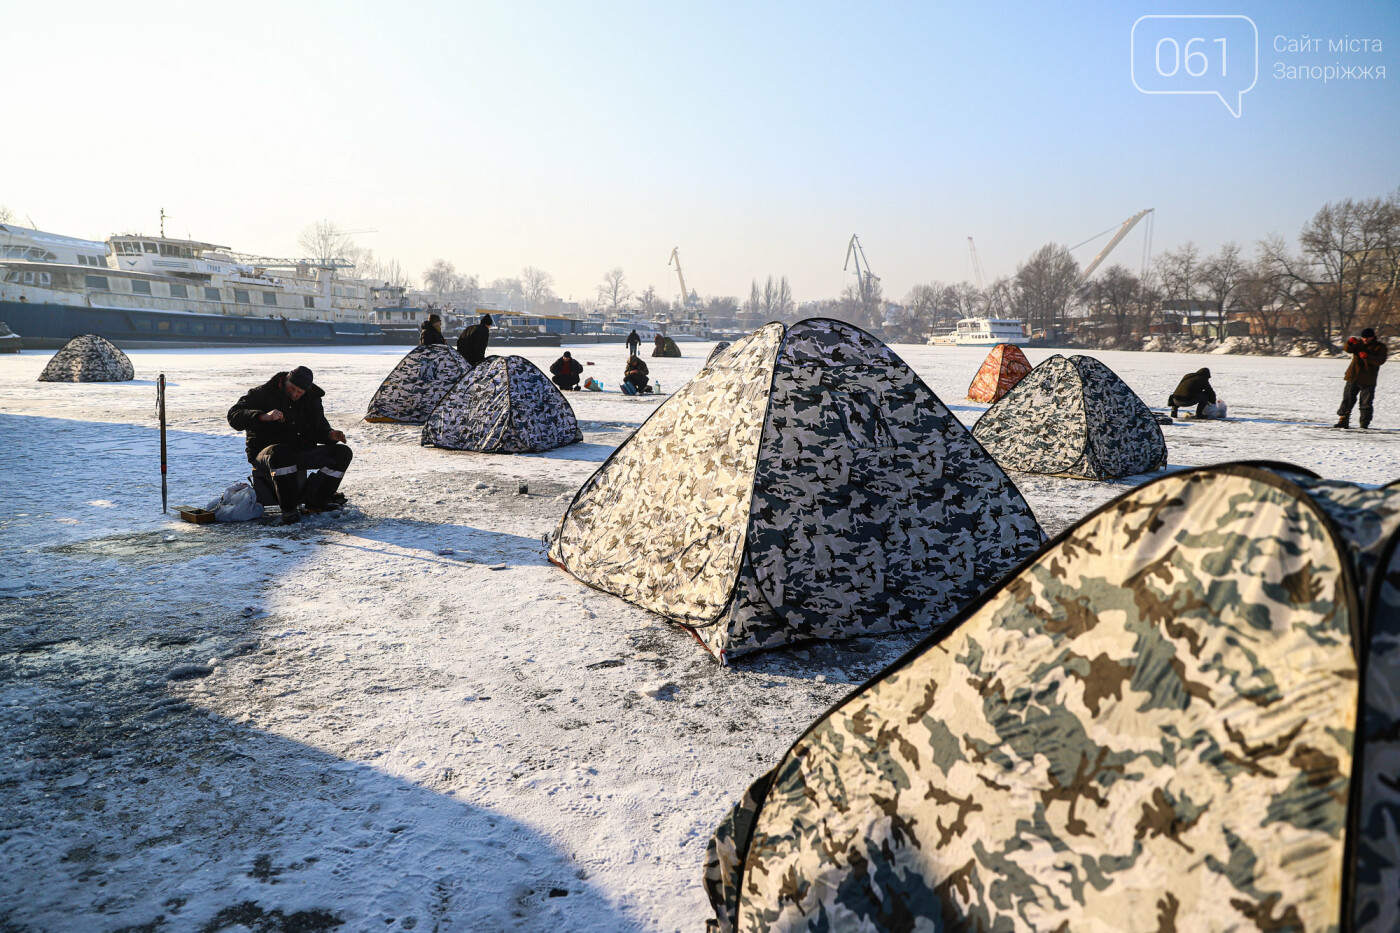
x=160, y=410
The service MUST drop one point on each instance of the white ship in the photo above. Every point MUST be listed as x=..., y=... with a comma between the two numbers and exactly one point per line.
x=989, y=331
x=161, y=291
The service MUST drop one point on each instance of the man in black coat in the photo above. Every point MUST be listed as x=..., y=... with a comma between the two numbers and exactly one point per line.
x=1367, y=356
x=472, y=343
x=287, y=432
x=1193, y=389
x=430, y=332
x=565, y=372
x=634, y=343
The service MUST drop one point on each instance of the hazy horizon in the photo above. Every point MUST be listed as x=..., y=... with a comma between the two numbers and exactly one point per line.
x=580, y=138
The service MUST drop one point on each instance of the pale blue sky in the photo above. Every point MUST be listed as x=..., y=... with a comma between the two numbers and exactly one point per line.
x=581, y=136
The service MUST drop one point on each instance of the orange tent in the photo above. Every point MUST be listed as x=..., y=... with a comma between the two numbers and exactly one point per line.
x=1005, y=366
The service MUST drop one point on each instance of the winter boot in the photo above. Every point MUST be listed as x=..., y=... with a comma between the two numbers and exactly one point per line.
x=1343, y=422
x=291, y=517
x=1174, y=414
x=320, y=491
x=286, y=485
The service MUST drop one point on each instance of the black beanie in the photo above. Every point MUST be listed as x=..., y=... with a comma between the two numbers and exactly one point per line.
x=486, y=319
x=1369, y=332
x=301, y=378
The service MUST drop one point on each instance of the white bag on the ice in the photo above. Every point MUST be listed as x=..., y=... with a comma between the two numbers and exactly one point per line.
x=238, y=504
x=1216, y=409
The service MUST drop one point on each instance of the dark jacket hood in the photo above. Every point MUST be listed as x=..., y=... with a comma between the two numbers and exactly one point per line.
x=275, y=385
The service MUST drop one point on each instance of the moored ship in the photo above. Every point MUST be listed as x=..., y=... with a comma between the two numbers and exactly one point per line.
x=989, y=331
x=157, y=291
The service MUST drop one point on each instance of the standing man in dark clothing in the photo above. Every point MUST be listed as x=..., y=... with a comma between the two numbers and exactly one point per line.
x=1193, y=389
x=472, y=343
x=287, y=432
x=566, y=371
x=1367, y=356
x=431, y=331
x=634, y=343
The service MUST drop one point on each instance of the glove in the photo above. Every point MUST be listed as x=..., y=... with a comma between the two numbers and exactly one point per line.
x=1362, y=354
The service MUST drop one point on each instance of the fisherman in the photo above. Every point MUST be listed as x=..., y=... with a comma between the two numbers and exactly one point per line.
x=659, y=345
x=1193, y=389
x=1367, y=356
x=288, y=432
x=634, y=343
x=634, y=378
x=566, y=371
x=430, y=332
x=472, y=343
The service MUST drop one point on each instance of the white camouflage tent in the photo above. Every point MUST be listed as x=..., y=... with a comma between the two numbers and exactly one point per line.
x=1073, y=417
x=415, y=386
x=88, y=358
x=504, y=404
x=805, y=484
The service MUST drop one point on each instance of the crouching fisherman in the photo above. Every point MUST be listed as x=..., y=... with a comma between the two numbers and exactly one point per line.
x=288, y=432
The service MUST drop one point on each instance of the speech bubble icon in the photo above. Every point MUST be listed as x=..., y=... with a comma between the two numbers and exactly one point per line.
x=1210, y=54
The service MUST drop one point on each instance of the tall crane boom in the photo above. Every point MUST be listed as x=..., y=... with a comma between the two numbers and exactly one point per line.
x=976, y=266
x=1123, y=231
x=676, y=259
x=866, y=279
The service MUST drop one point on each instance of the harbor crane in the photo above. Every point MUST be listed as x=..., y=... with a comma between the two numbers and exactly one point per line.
x=865, y=279
x=1123, y=231
x=976, y=266
x=675, y=260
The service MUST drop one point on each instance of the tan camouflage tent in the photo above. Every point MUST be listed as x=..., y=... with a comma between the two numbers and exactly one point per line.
x=1072, y=417
x=1182, y=714
x=805, y=484
x=89, y=358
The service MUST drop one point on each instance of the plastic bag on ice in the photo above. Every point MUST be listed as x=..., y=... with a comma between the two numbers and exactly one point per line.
x=238, y=504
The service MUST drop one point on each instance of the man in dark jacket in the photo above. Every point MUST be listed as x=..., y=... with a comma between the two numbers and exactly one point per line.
x=565, y=372
x=1367, y=356
x=634, y=343
x=635, y=376
x=287, y=432
x=431, y=331
x=472, y=343
x=1193, y=389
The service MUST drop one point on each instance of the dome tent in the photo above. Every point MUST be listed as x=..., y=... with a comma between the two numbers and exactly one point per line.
x=719, y=348
x=1005, y=366
x=88, y=358
x=1073, y=417
x=504, y=404
x=667, y=347
x=414, y=387
x=1181, y=714
x=806, y=484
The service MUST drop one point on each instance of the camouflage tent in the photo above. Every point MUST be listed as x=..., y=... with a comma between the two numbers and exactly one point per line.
x=505, y=404
x=807, y=484
x=1005, y=366
x=415, y=386
x=719, y=348
x=666, y=347
x=1181, y=714
x=1073, y=417
x=88, y=358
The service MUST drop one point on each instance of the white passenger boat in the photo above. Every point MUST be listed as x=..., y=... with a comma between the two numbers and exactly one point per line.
x=990, y=331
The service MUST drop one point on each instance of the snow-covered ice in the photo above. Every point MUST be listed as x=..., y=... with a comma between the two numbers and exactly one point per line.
x=401, y=716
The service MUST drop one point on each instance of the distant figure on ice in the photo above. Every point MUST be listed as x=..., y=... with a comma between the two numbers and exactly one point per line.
x=659, y=347
x=634, y=343
x=1193, y=389
x=472, y=343
x=1367, y=356
x=287, y=432
x=431, y=331
x=634, y=378
x=565, y=372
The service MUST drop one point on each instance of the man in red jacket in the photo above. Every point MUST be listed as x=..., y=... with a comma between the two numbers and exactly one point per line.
x=1367, y=356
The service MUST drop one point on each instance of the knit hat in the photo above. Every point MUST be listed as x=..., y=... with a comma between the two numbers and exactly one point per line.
x=486, y=319
x=1368, y=334
x=301, y=378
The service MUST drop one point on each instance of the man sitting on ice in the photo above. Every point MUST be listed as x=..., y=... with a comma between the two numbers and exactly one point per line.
x=288, y=432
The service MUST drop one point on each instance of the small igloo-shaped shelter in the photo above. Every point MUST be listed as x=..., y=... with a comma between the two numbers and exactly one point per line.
x=805, y=484
x=1073, y=417
x=89, y=358
x=504, y=404
x=1181, y=714
x=414, y=387
x=666, y=347
x=1005, y=366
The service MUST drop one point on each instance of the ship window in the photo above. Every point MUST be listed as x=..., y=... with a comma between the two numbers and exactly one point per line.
x=29, y=278
x=82, y=260
x=309, y=301
x=97, y=260
x=212, y=294
x=162, y=325
x=98, y=282
x=150, y=247
x=240, y=295
x=143, y=324
x=44, y=279
x=140, y=288
x=269, y=298
x=245, y=328
x=178, y=291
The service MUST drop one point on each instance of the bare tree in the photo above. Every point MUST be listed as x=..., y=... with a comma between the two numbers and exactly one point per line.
x=722, y=310
x=652, y=303
x=614, y=291
x=392, y=274
x=324, y=240
x=1044, y=285
x=536, y=287
x=467, y=294
x=1221, y=276
x=1114, y=299
x=921, y=306
x=1180, y=273
x=440, y=278
x=6, y=215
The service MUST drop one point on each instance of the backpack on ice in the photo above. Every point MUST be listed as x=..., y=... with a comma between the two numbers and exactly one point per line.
x=89, y=358
x=1073, y=417
x=805, y=484
x=504, y=404
x=1181, y=714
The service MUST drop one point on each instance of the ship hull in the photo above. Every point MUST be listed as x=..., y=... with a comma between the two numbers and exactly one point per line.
x=49, y=326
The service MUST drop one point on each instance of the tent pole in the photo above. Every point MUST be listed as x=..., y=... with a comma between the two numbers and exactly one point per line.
x=160, y=411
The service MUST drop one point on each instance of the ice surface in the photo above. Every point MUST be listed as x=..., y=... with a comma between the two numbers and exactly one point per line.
x=400, y=715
